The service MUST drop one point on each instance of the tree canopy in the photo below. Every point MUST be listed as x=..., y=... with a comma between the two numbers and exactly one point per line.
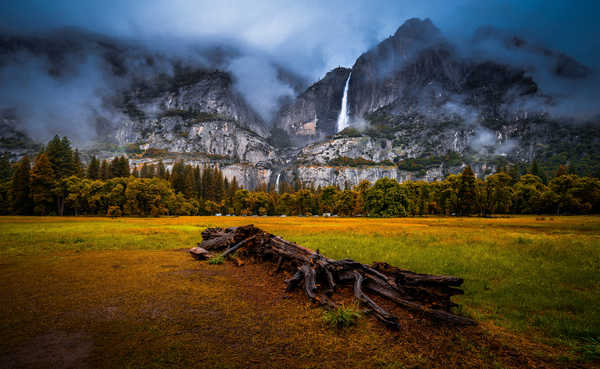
x=59, y=183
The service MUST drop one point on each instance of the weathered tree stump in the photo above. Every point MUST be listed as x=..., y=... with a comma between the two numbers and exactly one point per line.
x=320, y=276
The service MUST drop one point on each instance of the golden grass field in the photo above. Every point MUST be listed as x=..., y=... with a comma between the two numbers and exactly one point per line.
x=100, y=292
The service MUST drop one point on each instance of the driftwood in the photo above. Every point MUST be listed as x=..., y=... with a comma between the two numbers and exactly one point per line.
x=320, y=276
x=200, y=253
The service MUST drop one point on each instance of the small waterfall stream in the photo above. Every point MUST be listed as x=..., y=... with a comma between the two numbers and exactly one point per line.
x=343, y=118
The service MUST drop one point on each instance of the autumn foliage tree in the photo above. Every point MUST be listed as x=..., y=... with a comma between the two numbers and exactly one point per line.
x=56, y=184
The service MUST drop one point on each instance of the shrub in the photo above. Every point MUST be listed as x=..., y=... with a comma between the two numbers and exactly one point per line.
x=154, y=211
x=591, y=350
x=114, y=211
x=350, y=132
x=341, y=317
x=344, y=161
x=216, y=260
x=132, y=148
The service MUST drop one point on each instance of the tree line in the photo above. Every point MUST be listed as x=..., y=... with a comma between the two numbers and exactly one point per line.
x=57, y=183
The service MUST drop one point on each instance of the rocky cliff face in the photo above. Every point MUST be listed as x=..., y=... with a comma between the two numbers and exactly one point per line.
x=200, y=119
x=416, y=98
x=219, y=138
x=189, y=93
x=347, y=177
x=155, y=107
x=314, y=112
x=416, y=73
x=420, y=108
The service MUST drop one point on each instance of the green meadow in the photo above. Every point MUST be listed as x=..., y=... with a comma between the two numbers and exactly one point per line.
x=536, y=278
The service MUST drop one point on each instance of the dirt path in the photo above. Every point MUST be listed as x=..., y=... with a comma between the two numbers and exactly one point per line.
x=162, y=309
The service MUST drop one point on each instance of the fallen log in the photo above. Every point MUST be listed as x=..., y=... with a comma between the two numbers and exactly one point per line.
x=320, y=277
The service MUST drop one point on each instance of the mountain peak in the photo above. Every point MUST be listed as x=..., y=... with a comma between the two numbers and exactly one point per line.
x=418, y=29
x=562, y=64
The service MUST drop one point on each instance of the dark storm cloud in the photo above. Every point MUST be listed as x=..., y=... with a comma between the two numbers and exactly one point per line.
x=306, y=37
x=314, y=36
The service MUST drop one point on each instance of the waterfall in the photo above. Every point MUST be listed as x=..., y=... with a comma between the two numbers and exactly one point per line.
x=277, y=182
x=342, y=121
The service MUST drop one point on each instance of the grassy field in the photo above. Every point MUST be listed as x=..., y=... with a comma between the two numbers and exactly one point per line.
x=531, y=282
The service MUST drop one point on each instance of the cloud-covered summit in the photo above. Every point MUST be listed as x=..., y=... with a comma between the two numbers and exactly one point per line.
x=272, y=49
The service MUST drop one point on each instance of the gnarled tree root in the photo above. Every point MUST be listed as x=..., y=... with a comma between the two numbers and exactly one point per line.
x=320, y=276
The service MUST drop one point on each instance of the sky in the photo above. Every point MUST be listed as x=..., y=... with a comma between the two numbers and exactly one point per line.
x=313, y=36
x=305, y=36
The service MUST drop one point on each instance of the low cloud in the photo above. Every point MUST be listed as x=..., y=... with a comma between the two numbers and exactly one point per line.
x=63, y=104
x=307, y=38
x=257, y=80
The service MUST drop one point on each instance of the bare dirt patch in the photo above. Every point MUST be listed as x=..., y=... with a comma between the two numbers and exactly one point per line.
x=52, y=350
x=79, y=311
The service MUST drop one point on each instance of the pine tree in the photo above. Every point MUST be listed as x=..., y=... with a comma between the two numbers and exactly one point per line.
x=188, y=183
x=231, y=189
x=20, y=188
x=219, y=185
x=514, y=173
x=562, y=170
x=297, y=184
x=93, y=170
x=42, y=182
x=114, y=167
x=178, y=176
x=6, y=173
x=119, y=167
x=537, y=171
x=124, y=166
x=207, y=189
x=147, y=171
x=198, y=181
x=77, y=165
x=161, y=172
x=467, y=192
x=151, y=171
x=6, y=170
x=105, y=172
x=225, y=187
x=60, y=155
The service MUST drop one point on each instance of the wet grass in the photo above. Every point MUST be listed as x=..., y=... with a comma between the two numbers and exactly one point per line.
x=536, y=277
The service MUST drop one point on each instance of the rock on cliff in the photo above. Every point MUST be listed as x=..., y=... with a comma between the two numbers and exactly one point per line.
x=375, y=150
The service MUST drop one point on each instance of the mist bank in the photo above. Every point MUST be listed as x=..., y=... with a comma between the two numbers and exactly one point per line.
x=75, y=83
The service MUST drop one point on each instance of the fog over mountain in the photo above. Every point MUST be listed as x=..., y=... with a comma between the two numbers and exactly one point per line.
x=306, y=38
x=258, y=87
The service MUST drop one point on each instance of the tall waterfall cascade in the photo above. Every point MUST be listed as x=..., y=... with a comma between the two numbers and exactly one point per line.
x=343, y=120
x=277, y=183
